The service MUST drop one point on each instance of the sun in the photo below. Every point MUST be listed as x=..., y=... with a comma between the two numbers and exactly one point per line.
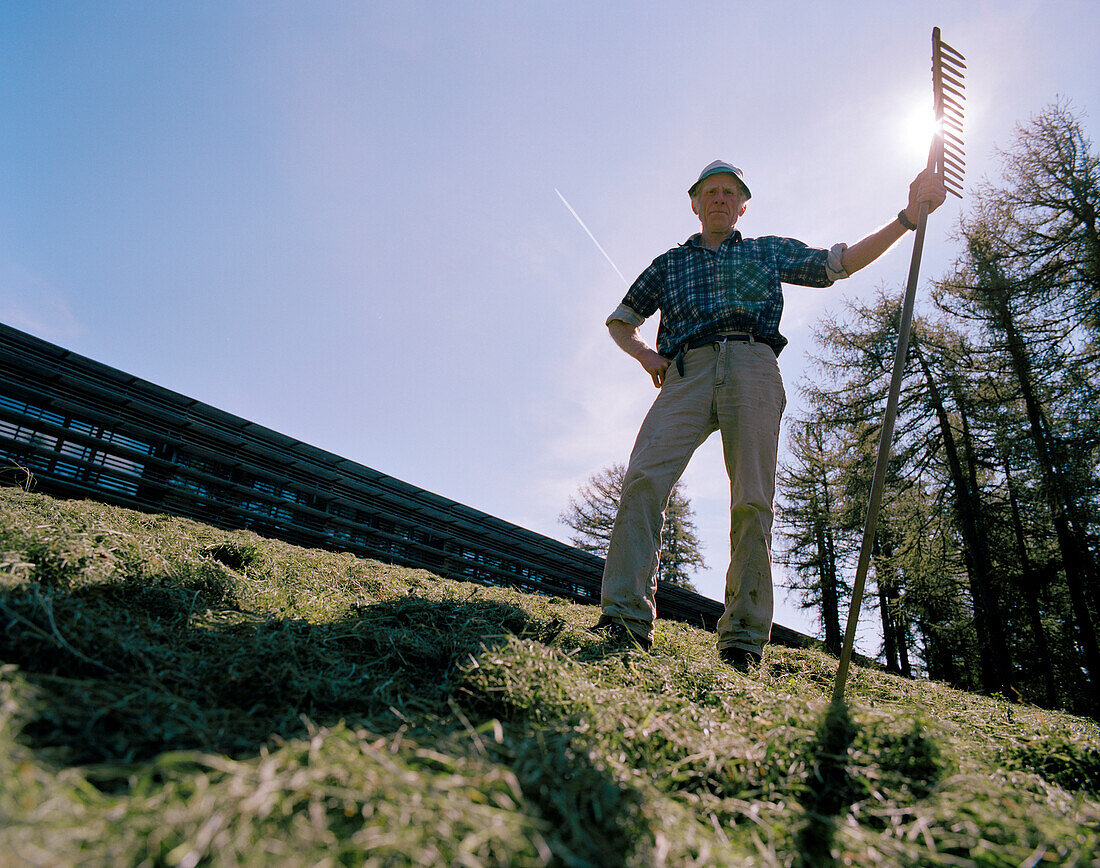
x=917, y=129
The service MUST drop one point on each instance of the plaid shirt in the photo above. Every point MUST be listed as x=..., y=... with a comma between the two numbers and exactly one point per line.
x=734, y=289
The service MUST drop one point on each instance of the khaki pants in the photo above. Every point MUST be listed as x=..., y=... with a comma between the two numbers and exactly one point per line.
x=735, y=388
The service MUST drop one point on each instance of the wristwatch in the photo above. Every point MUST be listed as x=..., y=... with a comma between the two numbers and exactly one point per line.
x=904, y=220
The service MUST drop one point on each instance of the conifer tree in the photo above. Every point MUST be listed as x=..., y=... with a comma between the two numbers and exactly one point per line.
x=591, y=516
x=807, y=525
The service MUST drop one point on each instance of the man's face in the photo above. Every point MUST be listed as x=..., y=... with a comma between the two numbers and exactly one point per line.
x=718, y=202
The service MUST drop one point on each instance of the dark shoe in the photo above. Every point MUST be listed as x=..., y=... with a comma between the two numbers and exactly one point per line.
x=740, y=659
x=620, y=633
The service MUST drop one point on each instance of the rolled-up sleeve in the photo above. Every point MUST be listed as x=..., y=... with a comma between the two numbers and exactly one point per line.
x=627, y=314
x=643, y=298
x=834, y=264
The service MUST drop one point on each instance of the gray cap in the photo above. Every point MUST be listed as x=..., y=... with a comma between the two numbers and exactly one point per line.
x=721, y=166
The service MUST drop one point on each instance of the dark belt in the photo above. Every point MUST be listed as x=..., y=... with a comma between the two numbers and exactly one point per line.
x=695, y=343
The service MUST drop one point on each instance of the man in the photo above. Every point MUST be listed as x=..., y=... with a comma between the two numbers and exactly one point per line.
x=720, y=298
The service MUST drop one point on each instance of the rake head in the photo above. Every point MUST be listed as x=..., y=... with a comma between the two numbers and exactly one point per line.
x=947, y=154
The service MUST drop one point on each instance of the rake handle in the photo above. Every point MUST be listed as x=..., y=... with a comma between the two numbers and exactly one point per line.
x=886, y=437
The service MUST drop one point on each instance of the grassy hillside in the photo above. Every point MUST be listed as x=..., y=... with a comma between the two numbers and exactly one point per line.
x=172, y=694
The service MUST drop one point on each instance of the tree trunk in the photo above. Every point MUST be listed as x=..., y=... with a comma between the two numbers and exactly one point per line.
x=1030, y=582
x=994, y=654
x=830, y=602
x=830, y=592
x=883, y=581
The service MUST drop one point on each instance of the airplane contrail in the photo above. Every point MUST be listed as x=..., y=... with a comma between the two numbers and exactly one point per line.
x=590, y=235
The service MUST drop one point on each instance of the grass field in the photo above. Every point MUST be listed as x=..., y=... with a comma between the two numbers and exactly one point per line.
x=173, y=694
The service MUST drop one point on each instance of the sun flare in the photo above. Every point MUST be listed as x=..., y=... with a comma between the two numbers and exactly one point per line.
x=917, y=130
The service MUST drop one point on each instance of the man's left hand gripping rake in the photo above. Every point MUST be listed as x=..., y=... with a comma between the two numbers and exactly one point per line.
x=945, y=158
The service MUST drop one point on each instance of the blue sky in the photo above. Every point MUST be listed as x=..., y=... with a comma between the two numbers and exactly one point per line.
x=339, y=220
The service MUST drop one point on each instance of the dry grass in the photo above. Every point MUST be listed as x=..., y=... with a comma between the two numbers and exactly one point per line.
x=172, y=694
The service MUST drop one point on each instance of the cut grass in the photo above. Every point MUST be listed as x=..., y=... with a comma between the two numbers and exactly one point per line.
x=173, y=694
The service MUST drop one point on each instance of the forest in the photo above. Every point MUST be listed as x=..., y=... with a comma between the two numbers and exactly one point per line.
x=984, y=568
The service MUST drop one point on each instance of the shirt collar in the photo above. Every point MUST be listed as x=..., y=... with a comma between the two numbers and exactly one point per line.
x=696, y=240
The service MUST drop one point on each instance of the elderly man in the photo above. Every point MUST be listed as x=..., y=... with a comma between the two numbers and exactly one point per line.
x=720, y=298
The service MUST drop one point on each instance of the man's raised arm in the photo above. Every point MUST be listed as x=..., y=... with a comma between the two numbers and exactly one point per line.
x=926, y=187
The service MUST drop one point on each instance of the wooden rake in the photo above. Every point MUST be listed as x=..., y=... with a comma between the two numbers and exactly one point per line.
x=946, y=158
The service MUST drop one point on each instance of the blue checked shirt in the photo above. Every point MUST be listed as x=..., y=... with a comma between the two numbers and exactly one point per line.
x=734, y=289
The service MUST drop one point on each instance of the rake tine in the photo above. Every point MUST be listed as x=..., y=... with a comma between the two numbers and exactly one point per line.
x=947, y=76
x=949, y=89
x=952, y=98
x=947, y=49
x=960, y=170
x=949, y=102
x=950, y=165
x=952, y=150
x=952, y=73
x=951, y=112
x=953, y=121
x=953, y=141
